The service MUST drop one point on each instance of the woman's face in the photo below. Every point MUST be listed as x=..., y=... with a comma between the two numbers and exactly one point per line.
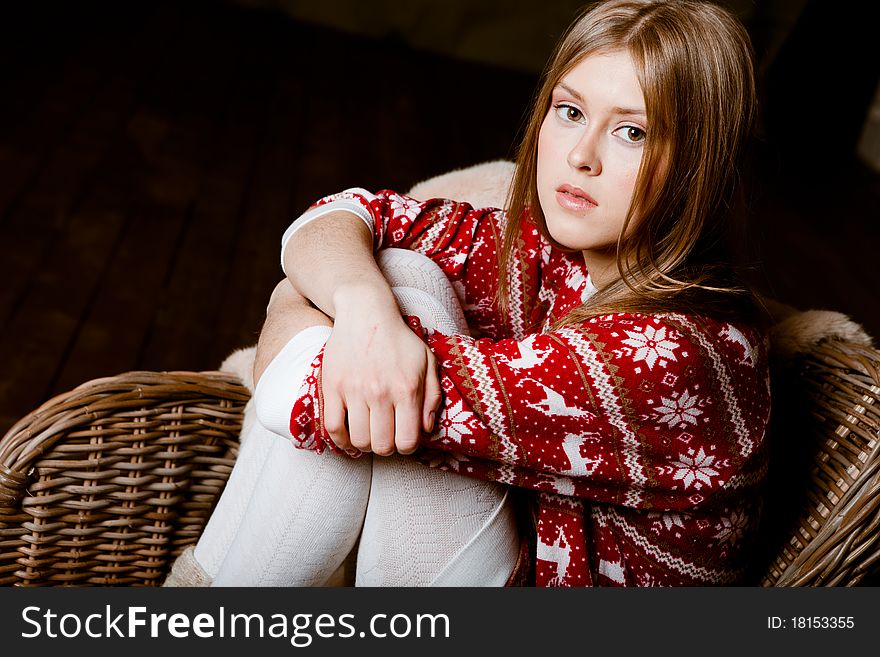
x=589, y=150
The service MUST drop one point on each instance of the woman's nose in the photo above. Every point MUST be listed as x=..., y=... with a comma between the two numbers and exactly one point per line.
x=585, y=154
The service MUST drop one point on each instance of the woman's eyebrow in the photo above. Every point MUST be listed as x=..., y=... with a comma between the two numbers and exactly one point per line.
x=625, y=111
x=570, y=91
x=628, y=111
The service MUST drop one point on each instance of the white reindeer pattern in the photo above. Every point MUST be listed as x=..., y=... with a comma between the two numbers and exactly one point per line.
x=553, y=403
x=578, y=465
x=558, y=553
x=529, y=357
x=731, y=334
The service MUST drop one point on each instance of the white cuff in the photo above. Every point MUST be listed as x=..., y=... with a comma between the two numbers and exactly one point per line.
x=341, y=204
x=283, y=378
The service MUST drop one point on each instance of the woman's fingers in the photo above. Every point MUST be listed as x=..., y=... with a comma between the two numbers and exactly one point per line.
x=382, y=429
x=406, y=427
x=359, y=426
x=334, y=421
x=433, y=394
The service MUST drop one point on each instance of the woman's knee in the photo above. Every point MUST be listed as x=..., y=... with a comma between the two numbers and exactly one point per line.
x=284, y=297
x=287, y=314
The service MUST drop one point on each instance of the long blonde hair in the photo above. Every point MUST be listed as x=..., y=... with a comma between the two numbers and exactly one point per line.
x=694, y=65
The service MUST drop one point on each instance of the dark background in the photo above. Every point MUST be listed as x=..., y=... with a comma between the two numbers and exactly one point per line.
x=152, y=154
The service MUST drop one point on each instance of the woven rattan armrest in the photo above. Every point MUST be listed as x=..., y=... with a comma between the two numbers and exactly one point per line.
x=106, y=484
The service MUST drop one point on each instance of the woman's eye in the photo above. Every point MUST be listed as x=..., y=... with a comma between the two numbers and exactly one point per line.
x=569, y=113
x=632, y=134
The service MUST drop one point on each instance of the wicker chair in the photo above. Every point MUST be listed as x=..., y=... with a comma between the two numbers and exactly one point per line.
x=108, y=483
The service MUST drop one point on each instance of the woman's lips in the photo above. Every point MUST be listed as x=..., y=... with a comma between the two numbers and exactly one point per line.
x=574, y=199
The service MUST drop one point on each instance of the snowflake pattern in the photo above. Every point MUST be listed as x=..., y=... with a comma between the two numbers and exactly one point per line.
x=666, y=521
x=679, y=411
x=456, y=423
x=444, y=460
x=651, y=346
x=731, y=528
x=695, y=469
x=401, y=206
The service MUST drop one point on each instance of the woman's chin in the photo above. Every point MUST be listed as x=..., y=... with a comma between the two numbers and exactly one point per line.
x=568, y=242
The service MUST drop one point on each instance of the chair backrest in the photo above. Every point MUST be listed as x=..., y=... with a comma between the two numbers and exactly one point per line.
x=108, y=483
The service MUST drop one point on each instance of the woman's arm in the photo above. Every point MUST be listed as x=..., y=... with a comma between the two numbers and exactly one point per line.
x=464, y=242
x=287, y=314
x=379, y=381
x=376, y=374
x=331, y=263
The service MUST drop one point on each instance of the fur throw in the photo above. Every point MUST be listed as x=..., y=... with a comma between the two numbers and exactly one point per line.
x=482, y=185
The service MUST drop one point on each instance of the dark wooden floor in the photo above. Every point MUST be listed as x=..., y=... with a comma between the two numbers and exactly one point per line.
x=151, y=158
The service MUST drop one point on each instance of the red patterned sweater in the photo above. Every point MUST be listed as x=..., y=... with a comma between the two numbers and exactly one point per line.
x=643, y=434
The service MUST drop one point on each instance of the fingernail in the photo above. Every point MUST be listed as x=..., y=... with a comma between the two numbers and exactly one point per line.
x=431, y=421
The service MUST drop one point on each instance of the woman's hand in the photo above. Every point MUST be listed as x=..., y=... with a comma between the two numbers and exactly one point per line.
x=380, y=382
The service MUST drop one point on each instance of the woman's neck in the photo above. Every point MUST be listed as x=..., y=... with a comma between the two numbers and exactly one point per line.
x=601, y=266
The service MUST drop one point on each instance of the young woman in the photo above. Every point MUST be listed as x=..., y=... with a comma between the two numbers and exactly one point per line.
x=613, y=363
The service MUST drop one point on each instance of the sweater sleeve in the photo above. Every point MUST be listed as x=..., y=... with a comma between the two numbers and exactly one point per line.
x=641, y=411
x=463, y=241
x=633, y=410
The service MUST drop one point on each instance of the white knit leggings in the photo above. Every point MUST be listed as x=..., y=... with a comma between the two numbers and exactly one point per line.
x=289, y=517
